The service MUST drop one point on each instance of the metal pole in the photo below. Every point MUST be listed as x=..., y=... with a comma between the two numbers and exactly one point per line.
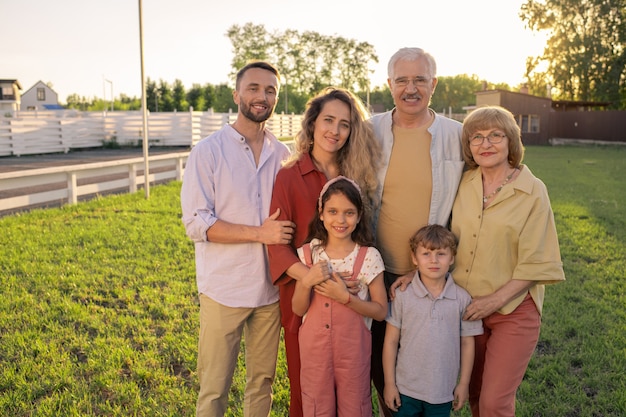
x=146, y=172
x=286, y=96
x=112, y=100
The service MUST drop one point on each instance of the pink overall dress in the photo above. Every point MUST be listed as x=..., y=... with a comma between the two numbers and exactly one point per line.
x=335, y=352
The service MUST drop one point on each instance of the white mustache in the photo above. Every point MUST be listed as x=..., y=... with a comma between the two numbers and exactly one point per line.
x=412, y=96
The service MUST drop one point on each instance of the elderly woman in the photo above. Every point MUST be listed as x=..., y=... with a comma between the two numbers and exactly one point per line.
x=508, y=250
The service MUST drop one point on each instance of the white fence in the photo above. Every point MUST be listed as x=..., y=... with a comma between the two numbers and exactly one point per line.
x=69, y=184
x=39, y=132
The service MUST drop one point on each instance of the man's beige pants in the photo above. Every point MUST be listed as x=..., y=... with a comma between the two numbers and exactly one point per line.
x=221, y=330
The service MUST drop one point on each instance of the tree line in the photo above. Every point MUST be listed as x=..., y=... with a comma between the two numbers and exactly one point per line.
x=452, y=94
x=584, y=60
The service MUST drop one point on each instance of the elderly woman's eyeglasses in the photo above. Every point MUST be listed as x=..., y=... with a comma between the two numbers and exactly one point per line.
x=493, y=138
x=417, y=81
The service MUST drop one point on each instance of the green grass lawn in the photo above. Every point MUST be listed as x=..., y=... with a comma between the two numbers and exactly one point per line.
x=99, y=312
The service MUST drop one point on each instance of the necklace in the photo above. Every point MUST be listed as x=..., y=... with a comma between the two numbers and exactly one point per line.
x=497, y=190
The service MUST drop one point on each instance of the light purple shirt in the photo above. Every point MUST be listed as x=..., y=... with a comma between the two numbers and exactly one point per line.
x=429, y=357
x=222, y=181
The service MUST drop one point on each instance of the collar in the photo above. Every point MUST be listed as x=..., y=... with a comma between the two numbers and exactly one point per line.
x=234, y=135
x=524, y=181
x=427, y=125
x=305, y=164
x=420, y=290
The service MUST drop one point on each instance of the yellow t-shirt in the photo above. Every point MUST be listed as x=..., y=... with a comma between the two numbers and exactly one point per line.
x=406, y=195
x=513, y=238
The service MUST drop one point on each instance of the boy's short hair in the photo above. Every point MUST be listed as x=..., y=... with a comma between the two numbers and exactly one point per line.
x=433, y=236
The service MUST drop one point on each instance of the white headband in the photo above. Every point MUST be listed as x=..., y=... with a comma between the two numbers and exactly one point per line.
x=331, y=182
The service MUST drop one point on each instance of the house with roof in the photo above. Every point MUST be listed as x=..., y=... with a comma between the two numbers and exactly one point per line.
x=40, y=97
x=9, y=95
x=543, y=121
x=531, y=112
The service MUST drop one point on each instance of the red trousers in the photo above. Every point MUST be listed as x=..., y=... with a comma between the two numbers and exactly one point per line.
x=292, y=353
x=501, y=359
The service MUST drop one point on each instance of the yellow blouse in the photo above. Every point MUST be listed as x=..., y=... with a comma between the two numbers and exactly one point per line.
x=514, y=238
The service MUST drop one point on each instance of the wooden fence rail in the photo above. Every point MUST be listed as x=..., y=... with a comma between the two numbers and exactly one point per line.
x=39, y=132
x=68, y=184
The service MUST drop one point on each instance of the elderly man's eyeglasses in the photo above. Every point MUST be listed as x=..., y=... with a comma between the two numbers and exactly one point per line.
x=417, y=81
x=493, y=138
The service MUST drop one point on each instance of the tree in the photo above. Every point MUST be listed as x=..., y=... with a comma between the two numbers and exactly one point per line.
x=209, y=96
x=179, y=98
x=308, y=61
x=76, y=102
x=165, y=96
x=455, y=92
x=152, y=95
x=380, y=98
x=294, y=105
x=537, y=82
x=586, y=51
x=224, y=99
x=195, y=97
x=250, y=42
x=126, y=103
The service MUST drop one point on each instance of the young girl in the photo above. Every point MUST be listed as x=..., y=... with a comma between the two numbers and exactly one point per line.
x=335, y=340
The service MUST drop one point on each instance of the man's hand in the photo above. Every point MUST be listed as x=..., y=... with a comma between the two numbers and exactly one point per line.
x=401, y=282
x=274, y=231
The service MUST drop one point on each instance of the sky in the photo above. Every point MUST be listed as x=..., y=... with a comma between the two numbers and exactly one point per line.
x=89, y=47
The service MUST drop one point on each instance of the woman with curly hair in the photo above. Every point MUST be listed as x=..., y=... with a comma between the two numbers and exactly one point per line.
x=336, y=139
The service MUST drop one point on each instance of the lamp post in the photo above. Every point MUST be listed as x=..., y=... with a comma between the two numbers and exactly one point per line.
x=286, y=96
x=144, y=107
x=110, y=82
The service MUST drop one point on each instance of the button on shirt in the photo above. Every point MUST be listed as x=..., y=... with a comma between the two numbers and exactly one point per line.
x=222, y=181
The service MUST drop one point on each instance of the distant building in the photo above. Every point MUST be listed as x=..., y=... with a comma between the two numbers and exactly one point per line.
x=531, y=112
x=40, y=97
x=9, y=95
x=543, y=121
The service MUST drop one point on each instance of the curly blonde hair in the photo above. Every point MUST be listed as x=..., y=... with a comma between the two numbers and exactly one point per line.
x=359, y=158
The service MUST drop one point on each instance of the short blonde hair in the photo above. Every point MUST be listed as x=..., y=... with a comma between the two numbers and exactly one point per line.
x=493, y=117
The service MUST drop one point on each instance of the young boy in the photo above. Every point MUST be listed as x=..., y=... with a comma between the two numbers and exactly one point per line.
x=437, y=345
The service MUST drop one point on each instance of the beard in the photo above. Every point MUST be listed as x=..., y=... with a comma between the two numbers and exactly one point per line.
x=246, y=110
